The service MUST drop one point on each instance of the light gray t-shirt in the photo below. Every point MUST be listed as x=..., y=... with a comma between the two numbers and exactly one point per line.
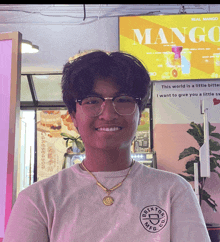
x=151, y=205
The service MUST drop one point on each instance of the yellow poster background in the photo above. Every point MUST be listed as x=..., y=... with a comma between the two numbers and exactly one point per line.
x=151, y=38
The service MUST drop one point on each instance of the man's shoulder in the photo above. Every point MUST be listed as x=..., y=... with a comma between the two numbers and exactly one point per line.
x=51, y=184
x=164, y=177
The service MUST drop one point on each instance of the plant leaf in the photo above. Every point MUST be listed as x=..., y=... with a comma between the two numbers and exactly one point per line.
x=190, y=170
x=79, y=138
x=67, y=142
x=198, y=128
x=216, y=155
x=215, y=135
x=207, y=198
x=197, y=133
x=213, y=163
x=211, y=128
x=214, y=145
x=191, y=163
x=187, y=152
x=198, y=138
x=80, y=146
x=68, y=136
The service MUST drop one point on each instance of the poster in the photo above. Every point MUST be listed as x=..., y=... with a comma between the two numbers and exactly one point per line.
x=174, y=47
x=51, y=146
x=175, y=106
x=180, y=102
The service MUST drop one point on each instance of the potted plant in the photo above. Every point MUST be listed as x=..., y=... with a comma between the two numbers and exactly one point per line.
x=197, y=132
x=75, y=147
x=75, y=141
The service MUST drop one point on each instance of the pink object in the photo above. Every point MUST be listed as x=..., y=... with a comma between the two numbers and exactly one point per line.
x=216, y=101
x=5, y=87
x=10, y=66
x=177, y=50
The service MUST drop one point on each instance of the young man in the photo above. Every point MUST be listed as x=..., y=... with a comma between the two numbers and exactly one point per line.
x=108, y=197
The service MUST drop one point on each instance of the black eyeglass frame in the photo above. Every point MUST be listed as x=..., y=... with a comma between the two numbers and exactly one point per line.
x=137, y=99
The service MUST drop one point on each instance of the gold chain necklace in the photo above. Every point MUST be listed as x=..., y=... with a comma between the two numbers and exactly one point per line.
x=108, y=200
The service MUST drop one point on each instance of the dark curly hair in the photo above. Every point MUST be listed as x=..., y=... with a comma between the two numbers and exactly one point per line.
x=80, y=73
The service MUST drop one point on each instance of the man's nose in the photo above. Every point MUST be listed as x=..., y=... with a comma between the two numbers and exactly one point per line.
x=108, y=111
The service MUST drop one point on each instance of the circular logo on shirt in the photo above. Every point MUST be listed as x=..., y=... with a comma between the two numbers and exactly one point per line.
x=153, y=218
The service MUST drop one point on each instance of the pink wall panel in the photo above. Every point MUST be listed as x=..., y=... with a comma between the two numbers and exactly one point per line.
x=10, y=72
x=5, y=84
x=169, y=141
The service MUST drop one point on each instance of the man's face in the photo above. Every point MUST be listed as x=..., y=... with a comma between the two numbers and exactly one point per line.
x=89, y=127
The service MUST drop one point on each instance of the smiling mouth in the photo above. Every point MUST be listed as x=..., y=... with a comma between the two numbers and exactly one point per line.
x=112, y=129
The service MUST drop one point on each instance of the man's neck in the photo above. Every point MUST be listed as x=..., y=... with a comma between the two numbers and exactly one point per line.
x=107, y=160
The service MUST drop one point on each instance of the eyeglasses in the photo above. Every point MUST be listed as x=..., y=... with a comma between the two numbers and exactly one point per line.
x=94, y=106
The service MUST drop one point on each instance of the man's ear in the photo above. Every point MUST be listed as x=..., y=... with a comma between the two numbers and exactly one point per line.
x=73, y=117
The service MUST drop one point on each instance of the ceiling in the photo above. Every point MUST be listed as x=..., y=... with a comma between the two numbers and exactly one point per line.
x=62, y=30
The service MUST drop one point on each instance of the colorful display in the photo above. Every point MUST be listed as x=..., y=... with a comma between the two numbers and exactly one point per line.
x=174, y=47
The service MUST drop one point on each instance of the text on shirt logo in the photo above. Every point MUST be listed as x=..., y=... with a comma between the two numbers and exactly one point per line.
x=153, y=218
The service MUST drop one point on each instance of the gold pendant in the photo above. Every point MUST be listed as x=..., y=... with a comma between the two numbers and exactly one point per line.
x=108, y=201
